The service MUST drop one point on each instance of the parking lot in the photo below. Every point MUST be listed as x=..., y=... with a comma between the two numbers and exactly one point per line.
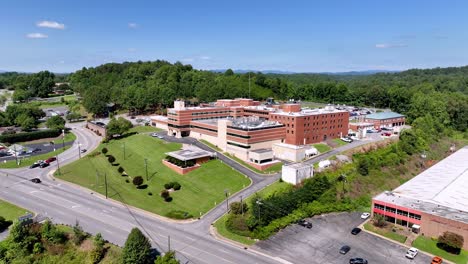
x=321, y=243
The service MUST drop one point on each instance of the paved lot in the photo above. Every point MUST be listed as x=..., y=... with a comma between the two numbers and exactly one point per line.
x=321, y=244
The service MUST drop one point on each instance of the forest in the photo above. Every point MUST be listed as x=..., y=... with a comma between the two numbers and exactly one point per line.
x=441, y=93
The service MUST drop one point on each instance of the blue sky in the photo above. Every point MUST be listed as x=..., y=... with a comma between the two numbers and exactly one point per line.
x=300, y=36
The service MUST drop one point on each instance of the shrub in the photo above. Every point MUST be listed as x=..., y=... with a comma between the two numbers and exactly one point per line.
x=177, y=214
x=176, y=186
x=379, y=220
x=28, y=136
x=137, y=248
x=237, y=224
x=169, y=185
x=137, y=180
x=150, y=193
x=450, y=242
x=104, y=151
x=52, y=234
x=165, y=194
x=4, y=224
x=78, y=234
x=111, y=159
x=168, y=199
x=120, y=170
x=127, y=181
x=237, y=207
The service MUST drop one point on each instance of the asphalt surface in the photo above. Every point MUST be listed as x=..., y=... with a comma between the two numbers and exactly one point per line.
x=322, y=243
x=43, y=148
x=66, y=203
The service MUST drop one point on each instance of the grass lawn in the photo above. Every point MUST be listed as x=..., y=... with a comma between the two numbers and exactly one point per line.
x=392, y=235
x=27, y=161
x=276, y=187
x=10, y=211
x=428, y=245
x=339, y=142
x=273, y=169
x=211, y=145
x=321, y=147
x=220, y=226
x=201, y=188
x=144, y=129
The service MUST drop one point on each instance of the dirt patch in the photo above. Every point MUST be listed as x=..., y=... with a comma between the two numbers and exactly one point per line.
x=87, y=245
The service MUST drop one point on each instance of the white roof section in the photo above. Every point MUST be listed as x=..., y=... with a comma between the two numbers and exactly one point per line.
x=440, y=190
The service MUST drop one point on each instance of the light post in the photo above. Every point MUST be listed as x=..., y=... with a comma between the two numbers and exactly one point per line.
x=259, y=207
x=226, y=193
x=79, y=149
x=146, y=168
x=58, y=165
x=63, y=139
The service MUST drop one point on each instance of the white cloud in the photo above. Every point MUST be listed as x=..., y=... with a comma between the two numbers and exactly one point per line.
x=36, y=36
x=132, y=50
x=187, y=60
x=50, y=24
x=389, y=45
x=132, y=25
x=205, y=58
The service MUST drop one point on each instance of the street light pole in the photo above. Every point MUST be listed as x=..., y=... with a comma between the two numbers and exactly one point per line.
x=79, y=149
x=63, y=139
x=226, y=192
x=58, y=165
x=146, y=168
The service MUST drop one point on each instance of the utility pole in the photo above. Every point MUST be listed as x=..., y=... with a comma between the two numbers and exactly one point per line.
x=63, y=139
x=226, y=192
x=259, y=207
x=105, y=182
x=242, y=206
x=16, y=154
x=146, y=168
x=123, y=149
x=58, y=165
x=79, y=149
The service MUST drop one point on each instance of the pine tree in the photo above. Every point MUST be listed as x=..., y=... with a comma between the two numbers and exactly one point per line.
x=137, y=248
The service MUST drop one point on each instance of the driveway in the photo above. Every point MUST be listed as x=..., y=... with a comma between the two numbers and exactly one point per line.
x=321, y=244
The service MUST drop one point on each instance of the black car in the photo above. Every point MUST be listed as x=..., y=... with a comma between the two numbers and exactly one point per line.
x=34, y=165
x=83, y=150
x=36, y=180
x=356, y=231
x=44, y=164
x=345, y=249
x=357, y=261
x=305, y=223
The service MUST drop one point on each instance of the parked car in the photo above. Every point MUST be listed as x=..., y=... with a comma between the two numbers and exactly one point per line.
x=345, y=249
x=44, y=164
x=357, y=261
x=83, y=150
x=365, y=215
x=411, y=253
x=132, y=117
x=386, y=134
x=36, y=180
x=348, y=140
x=51, y=159
x=34, y=165
x=387, y=128
x=154, y=134
x=356, y=231
x=159, y=136
x=305, y=223
x=437, y=260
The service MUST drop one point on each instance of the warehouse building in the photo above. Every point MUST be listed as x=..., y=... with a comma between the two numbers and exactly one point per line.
x=433, y=202
x=385, y=119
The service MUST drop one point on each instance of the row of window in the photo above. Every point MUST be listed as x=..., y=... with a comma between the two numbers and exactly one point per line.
x=204, y=128
x=238, y=145
x=396, y=211
x=210, y=113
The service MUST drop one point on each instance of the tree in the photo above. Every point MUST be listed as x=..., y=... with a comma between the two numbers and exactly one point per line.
x=343, y=180
x=137, y=180
x=168, y=258
x=52, y=234
x=4, y=224
x=78, y=234
x=137, y=248
x=41, y=84
x=238, y=208
x=26, y=122
x=111, y=159
x=118, y=126
x=450, y=242
x=55, y=122
x=73, y=116
x=98, y=251
x=363, y=166
x=104, y=151
x=379, y=220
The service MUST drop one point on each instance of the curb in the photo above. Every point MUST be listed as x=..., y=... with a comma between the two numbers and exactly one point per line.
x=50, y=175
x=217, y=236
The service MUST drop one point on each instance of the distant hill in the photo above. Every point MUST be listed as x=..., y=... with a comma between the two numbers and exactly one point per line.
x=367, y=72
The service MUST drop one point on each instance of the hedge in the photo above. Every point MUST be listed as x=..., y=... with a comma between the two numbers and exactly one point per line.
x=179, y=215
x=28, y=136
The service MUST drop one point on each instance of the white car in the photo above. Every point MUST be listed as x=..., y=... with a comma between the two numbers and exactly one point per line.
x=154, y=134
x=411, y=253
x=348, y=140
x=365, y=215
x=159, y=136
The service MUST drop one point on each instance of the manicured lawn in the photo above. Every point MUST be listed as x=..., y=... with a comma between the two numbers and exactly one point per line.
x=321, y=147
x=27, y=161
x=211, y=145
x=339, y=142
x=428, y=245
x=10, y=211
x=144, y=129
x=201, y=188
x=391, y=235
x=273, y=169
x=276, y=187
x=220, y=226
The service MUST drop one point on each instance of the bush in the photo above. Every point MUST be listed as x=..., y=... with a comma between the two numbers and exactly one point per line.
x=168, y=199
x=78, y=234
x=182, y=164
x=137, y=180
x=169, y=185
x=176, y=186
x=4, y=224
x=179, y=215
x=237, y=224
x=127, y=181
x=450, y=242
x=28, y=136
x=52, y=234
x=111, y=159
x=379, y=220
x=165, y=194
x=120, y=170
x=237, y=207
x=104, y=151
x=150, y=193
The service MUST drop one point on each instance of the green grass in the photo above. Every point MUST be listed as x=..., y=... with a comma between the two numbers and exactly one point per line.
x=10, y=211
x=322, y=148
x=339, y=142
x=28, y=161
x=274, y=188
x=201, y=188
x=391, y=235
x=220, y=226
x=273, y=169
x=211, y=145
x=428, y=245
x=144, y=129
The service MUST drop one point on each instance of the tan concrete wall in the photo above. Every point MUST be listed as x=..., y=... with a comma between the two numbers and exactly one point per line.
x=434, y=226
x=289, y=153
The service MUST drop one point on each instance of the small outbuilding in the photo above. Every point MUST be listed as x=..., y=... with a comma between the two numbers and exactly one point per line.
x=296, y=172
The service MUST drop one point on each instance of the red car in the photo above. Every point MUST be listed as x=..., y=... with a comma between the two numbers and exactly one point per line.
x=386, y=134
x=51, y=159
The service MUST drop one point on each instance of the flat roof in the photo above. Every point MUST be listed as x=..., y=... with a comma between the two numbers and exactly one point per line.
x=384, y=115
x=189, y=154
x=298, y=165
x=311, y=112
x=440, y=190
x=260, y=151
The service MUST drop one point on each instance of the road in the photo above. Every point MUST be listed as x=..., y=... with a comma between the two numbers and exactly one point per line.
x=66, y=203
